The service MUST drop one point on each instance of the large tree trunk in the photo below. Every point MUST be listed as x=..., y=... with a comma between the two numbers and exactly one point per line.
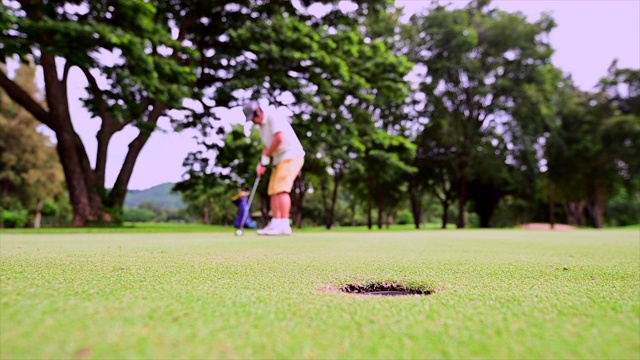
x=72, y=154
x=4, y=193
x=353, y=213
x=330, y=207
x=465, y=160
x=86, y=185
x=486, y=198
x=5, y=188
x=37, y=222
x=369, y=203
x=552, y=205
x=325, y=204
x=79, y=193
x=596, y=207
x=575, y=213
x=462, y=202
x=416, y=206
x=334, y=198
x=115, y=201
x=380, y=199
x=445, y=214
x=205, y=215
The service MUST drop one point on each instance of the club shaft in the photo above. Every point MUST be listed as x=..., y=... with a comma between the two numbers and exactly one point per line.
x=248, y=209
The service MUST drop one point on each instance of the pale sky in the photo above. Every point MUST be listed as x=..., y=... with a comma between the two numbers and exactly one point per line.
x=590, y=34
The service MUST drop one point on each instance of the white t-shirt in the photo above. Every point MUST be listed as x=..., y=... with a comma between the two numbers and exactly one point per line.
x=290, y=148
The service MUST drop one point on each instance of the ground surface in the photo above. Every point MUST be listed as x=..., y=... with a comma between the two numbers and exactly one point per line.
x=500, y=294
x=547, y=226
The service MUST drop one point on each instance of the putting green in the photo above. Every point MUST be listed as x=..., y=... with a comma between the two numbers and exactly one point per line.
x=500, y=294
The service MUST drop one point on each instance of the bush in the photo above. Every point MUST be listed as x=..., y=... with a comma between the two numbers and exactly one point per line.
x=404, y=217
x=138, y=215
x=623, y=210
x=14, y=218
x=50, y=208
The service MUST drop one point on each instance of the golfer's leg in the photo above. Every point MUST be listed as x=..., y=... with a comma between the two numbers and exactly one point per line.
x=275, y=211
x=275, y=184
x=285, y=204
x=276, y=208
x=282, y=201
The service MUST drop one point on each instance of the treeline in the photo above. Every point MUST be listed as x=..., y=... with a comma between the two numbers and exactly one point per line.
x=458, y=114
x=484, y=132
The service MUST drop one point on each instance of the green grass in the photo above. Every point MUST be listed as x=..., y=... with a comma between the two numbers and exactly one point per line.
x=190, y=228
x=126, y=228
x=501, y=294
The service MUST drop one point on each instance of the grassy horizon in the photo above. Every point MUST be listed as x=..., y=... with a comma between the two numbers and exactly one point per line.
x=190, y=228
x=501, y=294
x=184, y=227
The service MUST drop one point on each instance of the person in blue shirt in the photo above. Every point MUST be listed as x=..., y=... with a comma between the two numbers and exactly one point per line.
x=242, y=203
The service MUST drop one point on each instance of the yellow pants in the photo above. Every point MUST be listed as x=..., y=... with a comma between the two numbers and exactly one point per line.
x=284, y=174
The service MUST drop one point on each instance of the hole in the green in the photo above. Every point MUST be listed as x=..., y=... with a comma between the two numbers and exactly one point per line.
x=384, y=289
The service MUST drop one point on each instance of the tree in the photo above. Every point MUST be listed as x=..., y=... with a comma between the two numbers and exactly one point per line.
x=592, y=149
x=382, y=173
x=436, y=162
x=149, y=76
x=330, y=70
x=483, y=68
x=29, y=165
x=362, y=114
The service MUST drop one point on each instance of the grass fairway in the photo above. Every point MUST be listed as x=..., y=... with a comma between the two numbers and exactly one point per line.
x=501, y=294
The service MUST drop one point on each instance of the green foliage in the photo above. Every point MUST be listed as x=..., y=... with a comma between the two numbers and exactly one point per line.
x=404, y=217
x=488, y=113
x=623, y=209
x=592, y=149
x=12, y=213
x=138, y=215
x=29, y=165
x=208, y=199
x=14, y=218
x=486, y=94
x=50, y=208
x=57, y=212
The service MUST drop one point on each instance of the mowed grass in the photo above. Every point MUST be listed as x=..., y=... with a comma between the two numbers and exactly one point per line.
x=188, y=228
x=500, y=294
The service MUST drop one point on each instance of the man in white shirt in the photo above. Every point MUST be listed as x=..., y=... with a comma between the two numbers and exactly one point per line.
x=283, y=146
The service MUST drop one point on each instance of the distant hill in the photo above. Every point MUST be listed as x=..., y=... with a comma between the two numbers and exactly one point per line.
x=159, y=194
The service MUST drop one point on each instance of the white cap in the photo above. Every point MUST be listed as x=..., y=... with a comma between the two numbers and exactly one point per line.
x=249, y=109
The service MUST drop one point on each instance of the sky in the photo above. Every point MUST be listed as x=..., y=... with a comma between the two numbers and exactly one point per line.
x=589, y=35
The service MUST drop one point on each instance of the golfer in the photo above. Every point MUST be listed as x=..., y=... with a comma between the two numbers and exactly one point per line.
x=283, y=147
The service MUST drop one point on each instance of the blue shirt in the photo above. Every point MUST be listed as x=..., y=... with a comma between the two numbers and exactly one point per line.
x=242, y=205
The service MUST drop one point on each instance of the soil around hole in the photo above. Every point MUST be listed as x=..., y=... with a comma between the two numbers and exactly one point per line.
x=383, y=289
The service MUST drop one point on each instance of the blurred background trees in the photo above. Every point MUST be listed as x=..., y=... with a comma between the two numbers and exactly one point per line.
x=457, y=116
x=31, y=178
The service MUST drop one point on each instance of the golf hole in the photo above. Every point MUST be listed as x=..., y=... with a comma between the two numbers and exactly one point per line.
x=384, y=289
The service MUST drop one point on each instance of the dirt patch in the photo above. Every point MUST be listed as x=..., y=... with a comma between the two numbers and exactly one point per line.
x=546, y=226
x=83, y=353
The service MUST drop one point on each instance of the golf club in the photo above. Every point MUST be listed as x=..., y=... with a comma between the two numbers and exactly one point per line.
x=248, y=209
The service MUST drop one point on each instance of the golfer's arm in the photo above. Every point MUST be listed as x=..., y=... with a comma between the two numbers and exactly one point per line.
x=277, y=140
